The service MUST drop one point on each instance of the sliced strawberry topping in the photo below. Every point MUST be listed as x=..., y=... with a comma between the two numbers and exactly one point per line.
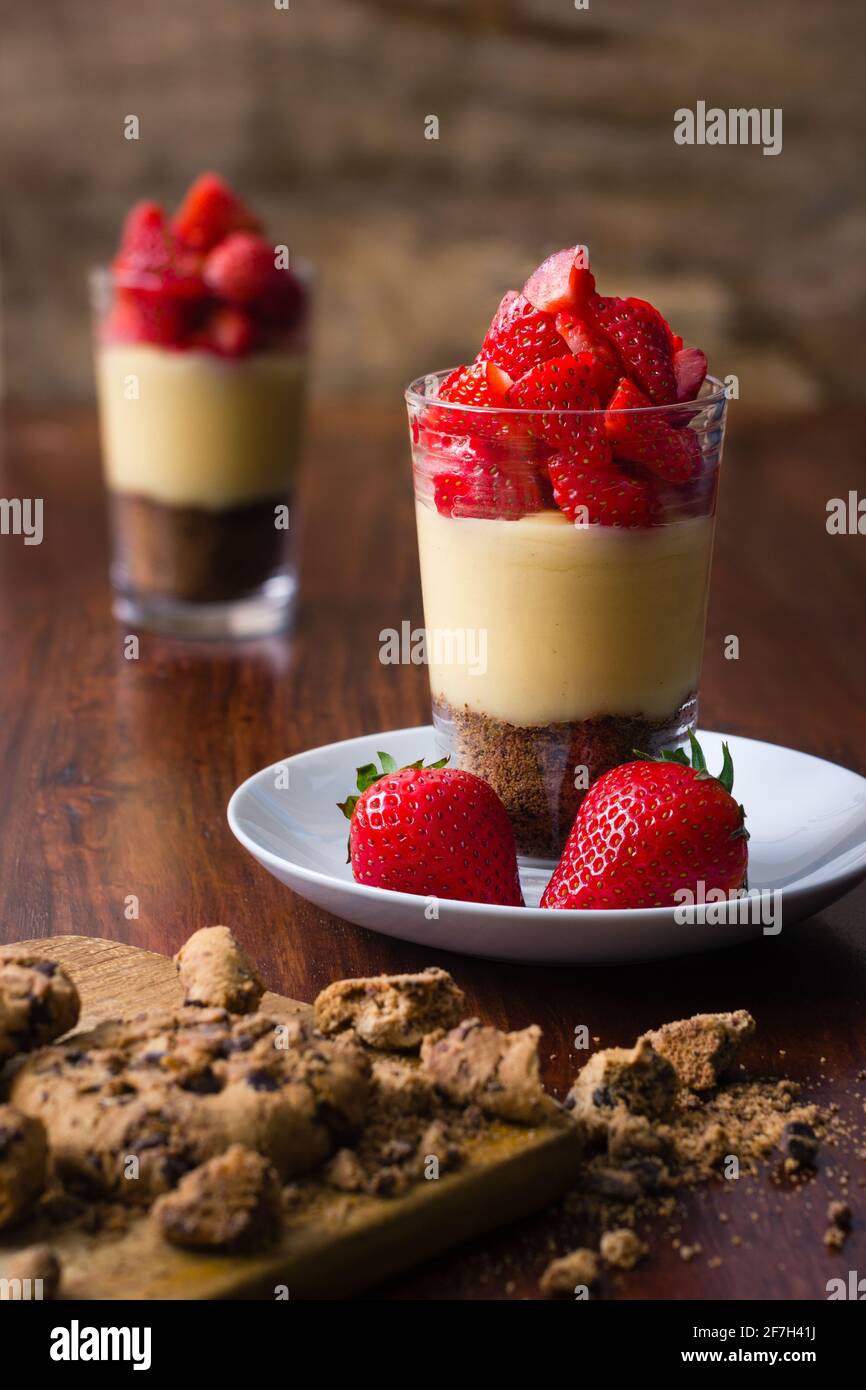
x=211, y=211
x=606, y=369
x=485, y=384
x=589, y=494
x=552, y=286
x=520, y=335
x=149, y=257
x=474, y=385
x=647, y=438
x=147, y=317
x=228, y=332
x=642, y=339
x=561, y=384
x=480, y=480
x=641, y=336
x=690, y=370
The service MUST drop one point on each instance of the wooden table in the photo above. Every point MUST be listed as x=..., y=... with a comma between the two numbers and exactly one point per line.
x=116, y=775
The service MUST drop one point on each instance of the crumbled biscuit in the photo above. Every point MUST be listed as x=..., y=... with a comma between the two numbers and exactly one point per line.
x=38, y=1002
x=134, y=1104
x=231, y=1202
x=622, y=1248
x=577, y=1270
x=391, y=1011
x=497, y=1071
x=401, y=1086
x=23, y=1163
x=702, y=1048
x=216, y=972
x=638, y=1078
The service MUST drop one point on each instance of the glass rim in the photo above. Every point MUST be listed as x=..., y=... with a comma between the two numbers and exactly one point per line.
x=415, y=395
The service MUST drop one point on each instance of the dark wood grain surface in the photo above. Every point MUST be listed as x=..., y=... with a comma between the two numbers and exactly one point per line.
x=116, y=774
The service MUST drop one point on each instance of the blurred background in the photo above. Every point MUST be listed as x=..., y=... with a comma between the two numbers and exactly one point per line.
x=555, y=126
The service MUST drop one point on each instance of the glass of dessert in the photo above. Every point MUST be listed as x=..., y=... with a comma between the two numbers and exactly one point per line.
x=201, y=361
x=565, y=487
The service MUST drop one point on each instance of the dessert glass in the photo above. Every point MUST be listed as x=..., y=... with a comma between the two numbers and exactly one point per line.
x=200, y=455
x=555, y=650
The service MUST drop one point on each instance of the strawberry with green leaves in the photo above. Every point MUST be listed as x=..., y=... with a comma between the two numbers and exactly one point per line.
x=433, y=831
x=650, y=828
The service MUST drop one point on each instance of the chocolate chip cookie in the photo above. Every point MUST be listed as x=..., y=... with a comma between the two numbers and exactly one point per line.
x=497, y=1071
x=215, y=972
x=231, y=1202
x=132, y=1106
x=637, y=1077
x=391, y=1011
x=702, y=1048
x=23, y=1163
x=38, y=1002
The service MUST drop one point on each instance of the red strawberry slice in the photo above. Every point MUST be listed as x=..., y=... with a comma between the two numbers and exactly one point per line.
x=647, y=437
x=481, y=480
x=641, y=336
x=690, y=370
x=551, y=286
x=520, y=336
x=146, y=318
x=241, y=270
x=149, y=257
x=229, y=333
x=561, y=384
x=590, y=493
x=484, y=384
x=642, y=339
x=481, y=383
x=606, y=369
x=210, y=211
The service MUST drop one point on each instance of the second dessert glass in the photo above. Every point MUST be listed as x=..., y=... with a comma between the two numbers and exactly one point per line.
x=555, y=649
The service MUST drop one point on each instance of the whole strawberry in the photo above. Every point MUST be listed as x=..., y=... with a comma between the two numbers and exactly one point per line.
x=649, y=828
x=435, y=831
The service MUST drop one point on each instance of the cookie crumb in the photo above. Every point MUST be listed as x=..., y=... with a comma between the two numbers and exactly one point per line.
x=622, y=1248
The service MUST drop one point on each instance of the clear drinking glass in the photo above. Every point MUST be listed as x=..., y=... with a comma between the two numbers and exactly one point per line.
x=201, y=453
x=556, y=648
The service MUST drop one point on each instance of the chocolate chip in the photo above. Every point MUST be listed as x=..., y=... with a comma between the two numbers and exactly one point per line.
x=800, y=1142
x=601, y=1096
x=201, y=1083
x=613, y=1182
x=46, y=967
x=262, y=1081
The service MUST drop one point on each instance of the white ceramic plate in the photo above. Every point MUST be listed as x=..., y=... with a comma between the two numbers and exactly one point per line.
x=806, y=818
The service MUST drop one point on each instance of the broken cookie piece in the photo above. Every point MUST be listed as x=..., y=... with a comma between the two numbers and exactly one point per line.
x=622, y=1248
x=575, y=1271
x=702, y=1048
x=391, y=1011
x=638, y=1078
x=38, y=1002
x=215, y=972
x=232, y=1202
x=23, y=1163
x=497, y=1071
x=400, y=1086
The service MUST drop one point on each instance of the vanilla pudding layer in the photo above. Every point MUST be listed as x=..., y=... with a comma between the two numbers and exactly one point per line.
x=580, y=621
x=189, y=429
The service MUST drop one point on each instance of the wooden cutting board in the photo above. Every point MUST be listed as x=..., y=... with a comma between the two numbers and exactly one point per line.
x=338, y=1244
